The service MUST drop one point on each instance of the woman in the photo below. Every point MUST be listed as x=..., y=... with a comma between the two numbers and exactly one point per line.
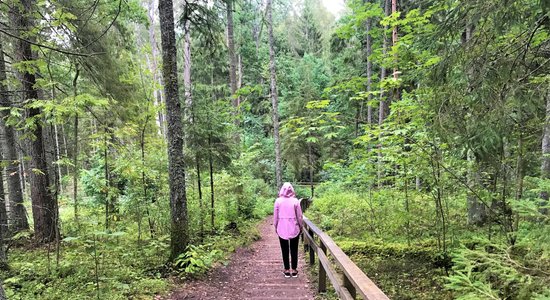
x=287, y=218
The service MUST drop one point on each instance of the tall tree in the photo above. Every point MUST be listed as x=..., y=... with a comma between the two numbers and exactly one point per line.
x=545, y=165
x=187, y=83
x=3, y=213
x=369, y=69
x=384, y=99
x=383, y=72
x=232, y=60
x=17, y=212
x=75, y=147
x=179, y=234
x=154, y=65
x=274, y=98
x=44, y=207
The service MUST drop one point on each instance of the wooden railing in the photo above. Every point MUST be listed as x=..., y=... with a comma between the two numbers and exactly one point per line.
x=352, y=282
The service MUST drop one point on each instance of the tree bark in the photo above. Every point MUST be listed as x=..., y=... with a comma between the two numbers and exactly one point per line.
x=3, y=228
x=2, y=293
x=187, y=85
x=75, y=152
x=383, y=103
x=3, y=213
x=154, y=66
x=477, y=213
x=179, y=235
x=545, y=165
x=17, y=212
x=545, y=161
x=44, y=207
x=231, y=50
x=396, y=92
x=211, y=171
x=199, y=188
x=369, y=72
x=232, y=65
x=274, y=98
x=211, y=161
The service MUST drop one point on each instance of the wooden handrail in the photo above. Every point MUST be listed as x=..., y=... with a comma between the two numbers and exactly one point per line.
x=353, y=281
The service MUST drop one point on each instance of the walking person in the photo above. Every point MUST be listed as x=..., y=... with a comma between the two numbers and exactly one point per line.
x=287, y=218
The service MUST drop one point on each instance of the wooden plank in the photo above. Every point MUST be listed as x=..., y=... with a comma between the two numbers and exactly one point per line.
x=322, y=271
x=342, y=292
x=310, y=241
x=363, y=285
x=312, y=247
x=349, y=286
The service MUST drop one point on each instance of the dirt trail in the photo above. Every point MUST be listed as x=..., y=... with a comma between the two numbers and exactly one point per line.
x=253, y=273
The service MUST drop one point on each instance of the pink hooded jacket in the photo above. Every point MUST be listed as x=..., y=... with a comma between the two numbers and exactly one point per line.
x=287, y=213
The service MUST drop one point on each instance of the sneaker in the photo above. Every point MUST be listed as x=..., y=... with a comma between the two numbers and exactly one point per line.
x=287, y=274
x=294, y=273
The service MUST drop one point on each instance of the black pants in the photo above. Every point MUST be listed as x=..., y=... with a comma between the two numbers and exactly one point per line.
x=293, y=251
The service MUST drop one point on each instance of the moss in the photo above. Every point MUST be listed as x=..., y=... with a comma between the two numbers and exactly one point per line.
x=401, y=271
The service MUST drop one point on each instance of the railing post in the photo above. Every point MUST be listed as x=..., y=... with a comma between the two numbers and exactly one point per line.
x=322, y=271
x=349, y=286
x=311, y=252
x=305, y=241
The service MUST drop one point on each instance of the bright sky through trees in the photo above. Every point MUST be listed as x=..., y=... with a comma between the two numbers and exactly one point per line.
x=335, y=7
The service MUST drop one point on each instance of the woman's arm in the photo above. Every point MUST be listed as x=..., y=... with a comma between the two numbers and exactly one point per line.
x=276, y=215
x=299, y=215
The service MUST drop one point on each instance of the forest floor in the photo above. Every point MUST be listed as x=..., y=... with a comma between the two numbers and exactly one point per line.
x=253, y=272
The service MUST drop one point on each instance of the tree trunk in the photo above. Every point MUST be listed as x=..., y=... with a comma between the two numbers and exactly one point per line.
x=383, y=103
x=65, y=146
x=75, y=152
x=107, y=179
x=49, y=150
x=211, y=171
x=3, y=213
x=310, y=162
x=545, y=163
x=477, y=213
x=211, y=160
x=396, y=94
x=275, y=101
x=154, y=66
x=179, y=235
x=3, y=228
x=369, y=72
x=232, y=66
x=2, y=293
x=231, y=51
x=44, y=207
x=201, y=205
x=17, y=212
x=58, y=156
x=187, y=73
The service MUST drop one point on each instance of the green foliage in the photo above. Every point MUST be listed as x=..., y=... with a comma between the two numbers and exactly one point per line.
x=197, y=260
x=122, y=269
x=492, y=271
x=466, y=115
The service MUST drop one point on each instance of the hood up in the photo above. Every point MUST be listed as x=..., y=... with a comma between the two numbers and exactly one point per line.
x=287, y=191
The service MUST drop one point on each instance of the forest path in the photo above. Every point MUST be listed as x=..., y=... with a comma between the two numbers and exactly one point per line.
x=253, y=273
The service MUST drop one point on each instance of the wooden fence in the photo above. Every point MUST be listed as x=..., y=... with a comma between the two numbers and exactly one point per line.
x=352, y=282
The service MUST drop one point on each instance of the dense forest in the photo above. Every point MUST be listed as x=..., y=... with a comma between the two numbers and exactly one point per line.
x=142, y=140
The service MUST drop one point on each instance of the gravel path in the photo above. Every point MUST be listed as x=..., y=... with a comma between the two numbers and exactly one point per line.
x=253, y=273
